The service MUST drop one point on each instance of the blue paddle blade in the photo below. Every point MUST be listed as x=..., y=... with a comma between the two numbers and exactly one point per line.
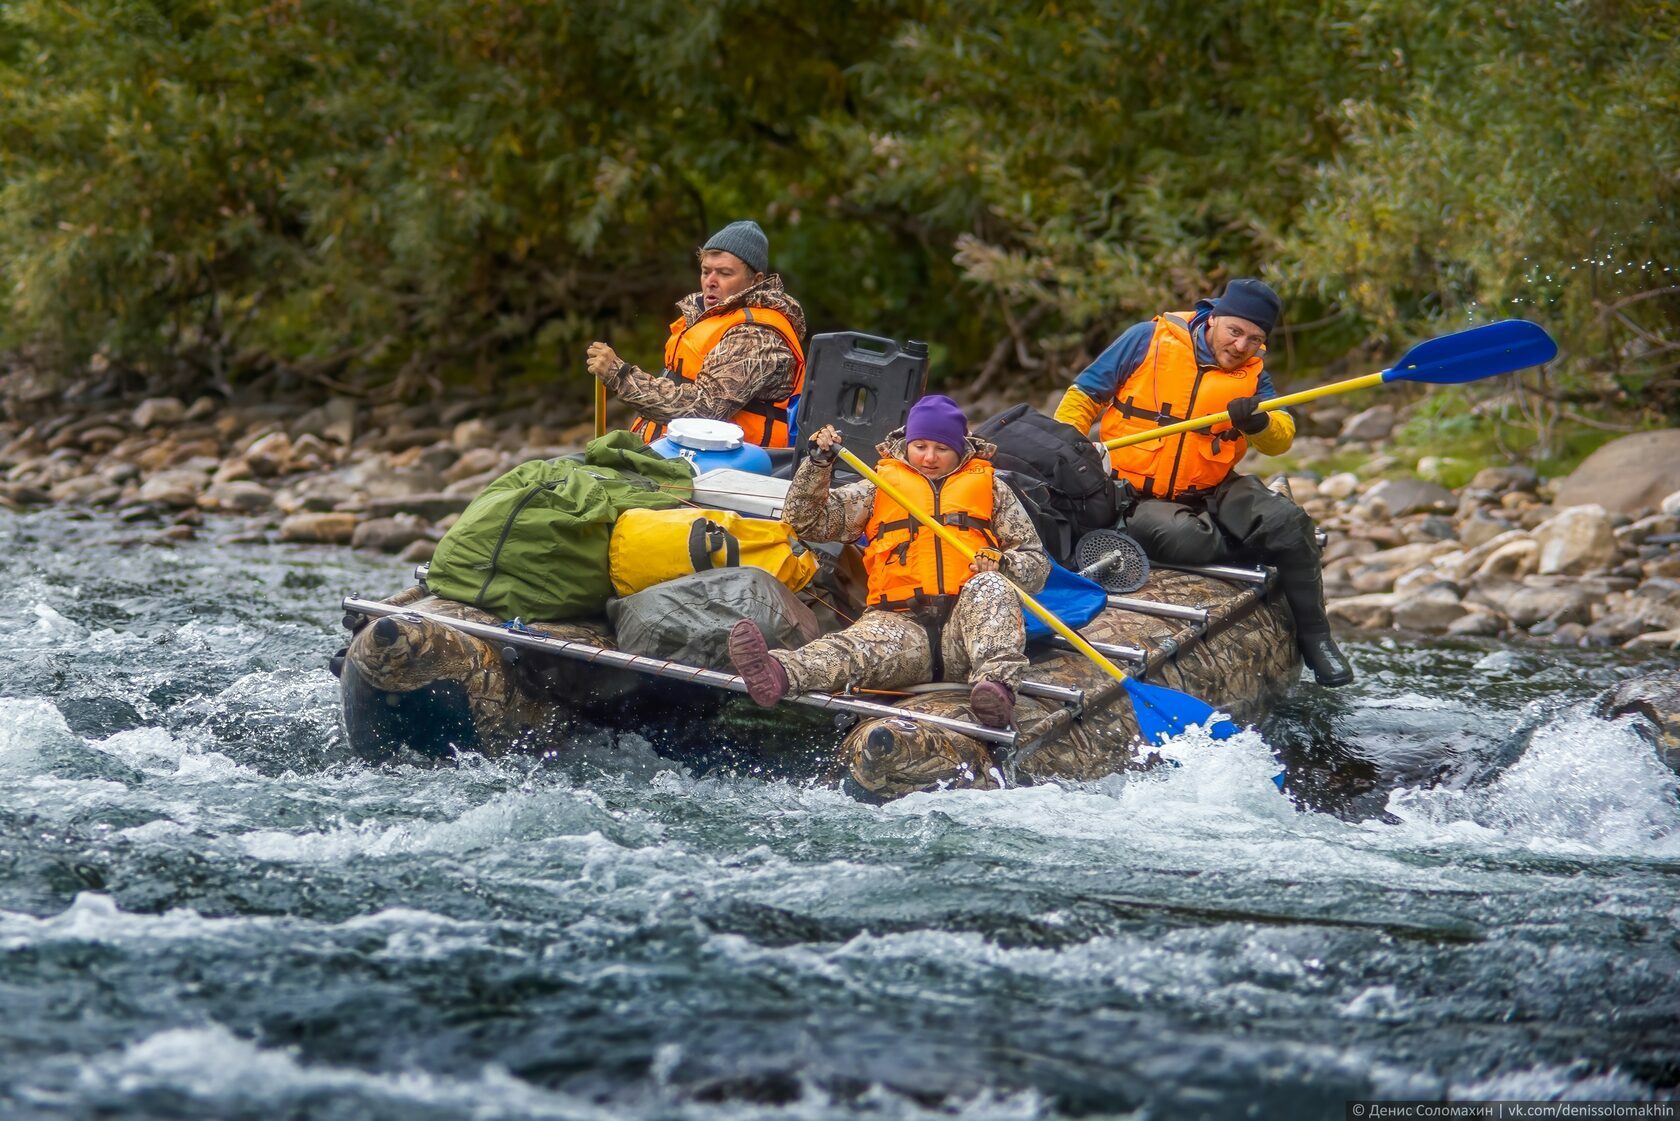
x=1163, y=713
x=1480, y=352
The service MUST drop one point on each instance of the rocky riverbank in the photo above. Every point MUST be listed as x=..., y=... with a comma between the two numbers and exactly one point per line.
x=386, y=477
x=1593, y=559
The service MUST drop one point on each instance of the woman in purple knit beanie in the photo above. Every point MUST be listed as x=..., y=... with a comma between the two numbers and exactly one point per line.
x=932, y=614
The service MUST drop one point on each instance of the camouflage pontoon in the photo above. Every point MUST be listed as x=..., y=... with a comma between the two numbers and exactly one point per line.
x=428, y=676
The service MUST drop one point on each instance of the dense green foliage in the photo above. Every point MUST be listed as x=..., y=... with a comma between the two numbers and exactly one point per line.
x=379, y=192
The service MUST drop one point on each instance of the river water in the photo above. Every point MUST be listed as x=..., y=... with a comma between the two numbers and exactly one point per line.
x=207, y=910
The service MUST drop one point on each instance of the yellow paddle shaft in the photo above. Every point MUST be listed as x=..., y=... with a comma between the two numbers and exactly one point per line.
x=1211, y=419
x=960, y=546
x=600, y=408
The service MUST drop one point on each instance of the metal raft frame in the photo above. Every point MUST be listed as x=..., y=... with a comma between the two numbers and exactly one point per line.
x=676, y=671
x=1076, y=702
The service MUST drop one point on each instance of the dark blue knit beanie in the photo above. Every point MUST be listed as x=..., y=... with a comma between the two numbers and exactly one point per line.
x=1252, y=300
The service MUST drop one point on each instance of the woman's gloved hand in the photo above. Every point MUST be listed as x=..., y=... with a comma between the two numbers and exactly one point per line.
x=825, y=443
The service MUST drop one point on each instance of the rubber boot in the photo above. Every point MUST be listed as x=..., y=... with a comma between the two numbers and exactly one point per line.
x=1303, y=587
x=993, y=703
x=765, y=677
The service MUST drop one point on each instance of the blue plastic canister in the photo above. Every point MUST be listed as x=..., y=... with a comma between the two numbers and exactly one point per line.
x=709, y=444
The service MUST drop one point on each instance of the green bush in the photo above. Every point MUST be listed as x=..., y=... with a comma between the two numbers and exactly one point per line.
x=475, y=188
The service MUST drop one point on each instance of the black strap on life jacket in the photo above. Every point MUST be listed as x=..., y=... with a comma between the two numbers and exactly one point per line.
x=1127, y=409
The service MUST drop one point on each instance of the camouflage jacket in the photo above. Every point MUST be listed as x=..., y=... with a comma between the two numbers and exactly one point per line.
x=817, y=513
x=751, y=362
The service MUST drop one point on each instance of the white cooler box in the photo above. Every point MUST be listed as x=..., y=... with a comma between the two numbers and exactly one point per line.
x=725, y=488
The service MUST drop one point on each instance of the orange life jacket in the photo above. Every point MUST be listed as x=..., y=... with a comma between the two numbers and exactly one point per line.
x=1169, y=386
x=907, y=563
x=764, y=423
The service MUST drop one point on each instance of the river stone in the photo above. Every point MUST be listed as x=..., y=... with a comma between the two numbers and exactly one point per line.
x=1374, y=423
x=202, y=408
x=1512, y=477
x=472, y=484
x=1431, y=609
x=269, y=455
x=232, y=470
x=1633, y=473
x=1657, y=640
x=100, y=438
x=177, y=489
x=1344, y=484
x=1429, y=527
x=1660, y=589
x=116, y=472
x=389, y=535
x=333, y=528
x=239, y=496
x=1418, y=579
x=1577, y=540
x=316, y=494
x=420, y=549
x=1568, y=634
x=474, y=433
x=207, y=449
x=1636, y=533
x=433, y=458
x=1526, y=606
x=1511, y=561
x=157, y=411
x=1619, y=627
x=1477, y=622
x=475, y=461
x=432, y=507
x=88, y=490
x=1479, y=529
x=334, y=421
x=308, y=453
x=1396, y=498
x=1433, y=467
x=1367, y=612
x=1346, y=545
x=1406, y=557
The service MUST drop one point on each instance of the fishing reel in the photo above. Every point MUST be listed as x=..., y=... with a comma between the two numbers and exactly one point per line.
x=1113, y=559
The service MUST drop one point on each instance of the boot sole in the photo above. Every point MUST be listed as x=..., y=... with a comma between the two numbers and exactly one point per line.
x=992, y=709
x=765, y=678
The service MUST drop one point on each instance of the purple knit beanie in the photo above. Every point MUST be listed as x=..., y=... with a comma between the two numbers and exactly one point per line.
x=937, y=418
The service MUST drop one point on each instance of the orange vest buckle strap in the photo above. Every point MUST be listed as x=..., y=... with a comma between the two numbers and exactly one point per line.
x=907, y=567
x=1170, y=384
x=764, y=423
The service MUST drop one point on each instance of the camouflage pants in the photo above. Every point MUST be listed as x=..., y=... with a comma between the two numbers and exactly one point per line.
x=983, y=638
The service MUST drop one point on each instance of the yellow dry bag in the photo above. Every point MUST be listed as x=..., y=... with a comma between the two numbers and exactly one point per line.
x=651, y=546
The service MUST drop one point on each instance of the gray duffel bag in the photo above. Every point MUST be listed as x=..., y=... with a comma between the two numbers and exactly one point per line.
x=687, y=619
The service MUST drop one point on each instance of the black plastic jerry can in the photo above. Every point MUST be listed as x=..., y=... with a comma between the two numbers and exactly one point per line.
x=863, y=385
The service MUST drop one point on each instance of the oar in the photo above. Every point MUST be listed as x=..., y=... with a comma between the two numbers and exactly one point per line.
x=1161, y=712
x=1463, y=356
x=600, y=408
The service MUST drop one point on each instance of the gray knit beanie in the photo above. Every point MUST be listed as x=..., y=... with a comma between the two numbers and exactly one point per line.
x=746, y=241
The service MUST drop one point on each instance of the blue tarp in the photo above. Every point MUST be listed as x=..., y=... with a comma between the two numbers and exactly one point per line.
x=1068, y=596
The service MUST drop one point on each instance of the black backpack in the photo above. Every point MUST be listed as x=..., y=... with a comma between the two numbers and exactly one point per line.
x=1078, y=490
x=1054, y=529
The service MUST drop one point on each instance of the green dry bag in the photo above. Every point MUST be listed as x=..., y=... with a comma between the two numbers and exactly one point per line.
x=533, y=544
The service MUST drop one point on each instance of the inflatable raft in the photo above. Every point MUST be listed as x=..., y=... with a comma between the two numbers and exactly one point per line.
x=424, y=676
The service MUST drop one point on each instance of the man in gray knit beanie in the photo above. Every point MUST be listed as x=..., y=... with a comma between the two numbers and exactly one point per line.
x=736, y=353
